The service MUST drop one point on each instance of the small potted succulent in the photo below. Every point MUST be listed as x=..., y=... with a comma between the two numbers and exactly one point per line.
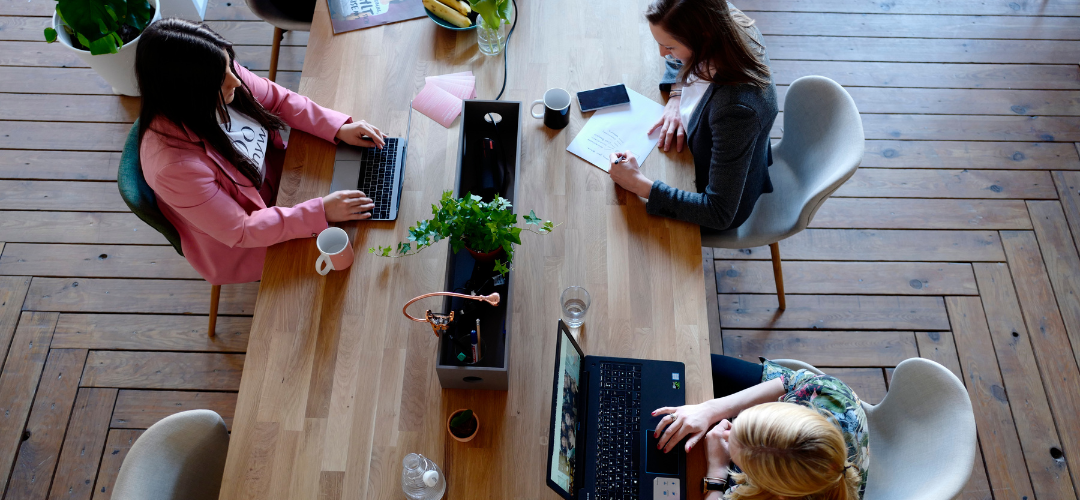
x=104, y=34
x=463, y=425
x=487, y=229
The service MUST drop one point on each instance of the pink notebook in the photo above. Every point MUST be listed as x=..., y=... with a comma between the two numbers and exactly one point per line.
x=442, y=96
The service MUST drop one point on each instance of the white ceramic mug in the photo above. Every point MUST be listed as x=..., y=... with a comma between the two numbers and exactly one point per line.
x=335, y=252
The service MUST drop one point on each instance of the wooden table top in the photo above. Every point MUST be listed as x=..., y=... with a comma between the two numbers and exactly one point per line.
x=338, y=386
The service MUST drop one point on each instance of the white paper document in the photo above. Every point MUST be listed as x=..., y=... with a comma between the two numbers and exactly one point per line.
x=619, y=128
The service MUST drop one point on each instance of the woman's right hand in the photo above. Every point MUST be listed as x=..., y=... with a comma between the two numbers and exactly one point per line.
x=672, y=130
x=347, y=205
x=691, y=420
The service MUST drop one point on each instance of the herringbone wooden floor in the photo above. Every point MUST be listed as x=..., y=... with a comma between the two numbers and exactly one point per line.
x=956, y=241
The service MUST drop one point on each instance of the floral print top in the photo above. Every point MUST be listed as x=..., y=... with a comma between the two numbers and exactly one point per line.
x=827, y=393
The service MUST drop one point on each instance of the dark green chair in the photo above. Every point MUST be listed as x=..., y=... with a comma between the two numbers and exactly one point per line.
x=143, y=203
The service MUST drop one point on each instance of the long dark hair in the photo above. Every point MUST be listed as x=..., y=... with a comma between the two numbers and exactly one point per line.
x=180, y=67
x=713, y=33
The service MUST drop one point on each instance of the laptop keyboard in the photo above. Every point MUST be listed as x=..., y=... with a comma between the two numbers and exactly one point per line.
x=377, y=176
x=619, y=430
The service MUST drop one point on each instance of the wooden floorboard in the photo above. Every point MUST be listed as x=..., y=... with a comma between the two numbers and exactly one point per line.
x=956, y=240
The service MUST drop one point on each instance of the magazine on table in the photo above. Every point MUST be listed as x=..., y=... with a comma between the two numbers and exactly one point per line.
x=349, y=15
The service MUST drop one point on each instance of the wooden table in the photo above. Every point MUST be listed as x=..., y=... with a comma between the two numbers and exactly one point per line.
x=338, y=386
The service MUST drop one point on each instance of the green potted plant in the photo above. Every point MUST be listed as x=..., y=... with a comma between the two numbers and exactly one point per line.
x=104, y=34
x=463, y=425
x=489, y=23
x=487, y=229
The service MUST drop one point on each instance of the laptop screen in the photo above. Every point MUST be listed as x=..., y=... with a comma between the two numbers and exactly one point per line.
x=565, y=414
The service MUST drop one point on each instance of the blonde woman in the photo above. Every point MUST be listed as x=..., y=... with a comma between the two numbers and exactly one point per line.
x=797, y=435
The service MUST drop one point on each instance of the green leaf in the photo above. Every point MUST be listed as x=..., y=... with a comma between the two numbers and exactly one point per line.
x=490, y=11
x=50, y=35
x=500, y=267
x=532, y=218
x=504, y=10
x=461, y=418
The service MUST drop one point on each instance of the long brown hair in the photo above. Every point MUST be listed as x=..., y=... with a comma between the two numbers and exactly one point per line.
x=180, y=66
x=716, y=36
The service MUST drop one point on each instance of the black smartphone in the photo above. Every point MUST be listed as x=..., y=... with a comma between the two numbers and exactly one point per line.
x=602, y=97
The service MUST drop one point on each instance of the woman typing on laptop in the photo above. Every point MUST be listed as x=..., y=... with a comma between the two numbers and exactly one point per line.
x=722, y=104
x=797, y=435
x=211, y=150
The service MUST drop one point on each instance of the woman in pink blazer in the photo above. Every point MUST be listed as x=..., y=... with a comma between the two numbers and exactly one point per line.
x=211, y=151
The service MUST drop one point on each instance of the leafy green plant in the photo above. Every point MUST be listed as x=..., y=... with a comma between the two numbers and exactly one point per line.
x=469, y=222
x=461, y=419
x=494, y=12
x=102, y=26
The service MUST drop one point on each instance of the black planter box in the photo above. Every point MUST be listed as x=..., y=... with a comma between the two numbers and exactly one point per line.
x=482, y=175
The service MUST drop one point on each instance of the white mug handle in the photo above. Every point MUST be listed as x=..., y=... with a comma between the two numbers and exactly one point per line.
x=323, y=265
x=531, y=108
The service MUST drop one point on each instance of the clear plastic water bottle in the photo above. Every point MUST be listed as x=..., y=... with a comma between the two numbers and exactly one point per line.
x=421, y=479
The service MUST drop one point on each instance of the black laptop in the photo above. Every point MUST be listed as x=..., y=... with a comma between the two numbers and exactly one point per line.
x=377, y=172
x=601, y=445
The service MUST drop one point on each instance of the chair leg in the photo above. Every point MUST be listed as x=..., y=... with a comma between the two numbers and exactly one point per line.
x=279, y=34
x=778, y=274
x=215, y=294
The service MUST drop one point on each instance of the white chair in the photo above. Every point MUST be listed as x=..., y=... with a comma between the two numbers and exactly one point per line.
x=922, y=435
x=822, y=145
x=181, y=457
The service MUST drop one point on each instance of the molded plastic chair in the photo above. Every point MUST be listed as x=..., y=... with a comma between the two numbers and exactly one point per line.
x=143, y=202
x=922, y=435
x=181, y=457
x=821, y=148
x=282, y=22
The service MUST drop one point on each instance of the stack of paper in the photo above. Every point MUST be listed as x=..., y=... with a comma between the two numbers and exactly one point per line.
x=442, y=96
x=619, y=128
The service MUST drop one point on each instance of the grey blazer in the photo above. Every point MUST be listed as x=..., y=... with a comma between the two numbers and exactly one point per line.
x=728, y=135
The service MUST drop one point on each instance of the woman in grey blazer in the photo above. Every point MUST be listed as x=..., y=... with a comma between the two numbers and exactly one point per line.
x=722, y=103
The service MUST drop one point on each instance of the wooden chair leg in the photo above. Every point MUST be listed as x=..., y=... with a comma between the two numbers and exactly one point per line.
x=778, y=274
x=215, y=294
x=279, y=34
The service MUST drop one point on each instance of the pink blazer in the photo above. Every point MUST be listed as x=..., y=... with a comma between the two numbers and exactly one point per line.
x=224, y=226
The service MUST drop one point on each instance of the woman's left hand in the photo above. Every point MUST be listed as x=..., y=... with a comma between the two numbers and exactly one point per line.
x=362, y=134
x=624, y=170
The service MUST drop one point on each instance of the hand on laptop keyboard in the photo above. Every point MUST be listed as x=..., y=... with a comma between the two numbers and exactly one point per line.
x=362, y=134
x=347, y=205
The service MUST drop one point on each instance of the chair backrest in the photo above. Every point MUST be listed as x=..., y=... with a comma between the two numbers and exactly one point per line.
x=273, y=15
x=182, y=457
x=137, y=193
x=823, y=139
x=922, y=435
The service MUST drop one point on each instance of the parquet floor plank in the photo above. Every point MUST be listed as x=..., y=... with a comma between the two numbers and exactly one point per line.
x=922, y=50
x=848, y=312
x=863, y=278
x=880, y=245
x=939, y=347
x=83, y=445
x=139, y=409
x=893, y=100
x=137, y=296
x=1068, y=184
x=13, y=290
x=61, y=196
x=149, y=332
x=931, y=75
x=95, y=261
x=19, y=381
x=917, y=26
x=40, y=450
x=87, y=228
x=970, y=155
x=923, y=183
x=822, y=347
x=716, y=343
x=900, y=213
x=163, y=370
x=993, y=416
x=1062, y=263
x=913, y=127
x=1020, y=8
x=238, y=32
x=68, y=108
x=117, y=445
x=63, y=136
x=1024, y=384
x=58, y=165
x=868, y=383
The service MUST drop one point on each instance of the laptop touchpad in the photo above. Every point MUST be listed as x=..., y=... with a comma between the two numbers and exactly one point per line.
x=658, y=462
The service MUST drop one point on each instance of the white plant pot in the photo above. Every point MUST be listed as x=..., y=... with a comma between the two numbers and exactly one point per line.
x=117, y=69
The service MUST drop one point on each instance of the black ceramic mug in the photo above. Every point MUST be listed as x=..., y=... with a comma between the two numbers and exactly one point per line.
x=556, y=108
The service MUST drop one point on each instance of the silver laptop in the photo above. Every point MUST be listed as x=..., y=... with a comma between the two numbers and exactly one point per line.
x=379, y=173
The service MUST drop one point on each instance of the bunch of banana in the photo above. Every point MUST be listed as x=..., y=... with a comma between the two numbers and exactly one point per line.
x=452, y=11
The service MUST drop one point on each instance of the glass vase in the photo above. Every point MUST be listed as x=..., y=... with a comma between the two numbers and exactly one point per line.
x=490, y=40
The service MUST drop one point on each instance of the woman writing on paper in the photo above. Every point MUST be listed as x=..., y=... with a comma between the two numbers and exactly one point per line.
x=211, y=151
x=722, y=104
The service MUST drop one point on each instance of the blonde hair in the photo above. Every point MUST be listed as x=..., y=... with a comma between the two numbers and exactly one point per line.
x=788, y=450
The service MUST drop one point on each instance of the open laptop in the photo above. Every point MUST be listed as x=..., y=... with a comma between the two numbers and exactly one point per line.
x=377, y=172
x=601, y=445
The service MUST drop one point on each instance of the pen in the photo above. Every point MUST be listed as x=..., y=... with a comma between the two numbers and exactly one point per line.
x=478, y=337
x=473, y=339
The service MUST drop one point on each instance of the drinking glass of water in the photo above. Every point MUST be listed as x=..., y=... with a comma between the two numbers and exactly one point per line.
x=575, y=303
